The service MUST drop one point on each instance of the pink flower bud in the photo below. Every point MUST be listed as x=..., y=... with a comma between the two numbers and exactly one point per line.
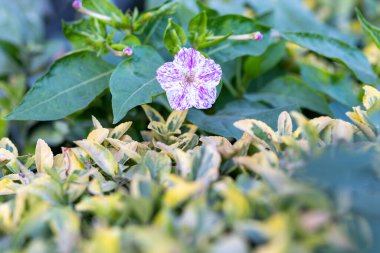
x=258, y=36
x=77, y=4
x=127, y=51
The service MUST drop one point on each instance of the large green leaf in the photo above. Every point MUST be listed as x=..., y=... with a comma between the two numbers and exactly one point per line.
x=134, y=81
x=371, y=30
x=294, y=16
x=337, y=50
x=231, y=49
x=291, y=90
x=336, y=86
x=70, y=85
x=221, y=123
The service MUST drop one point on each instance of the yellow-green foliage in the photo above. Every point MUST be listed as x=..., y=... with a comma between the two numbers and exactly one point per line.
x=178, y=192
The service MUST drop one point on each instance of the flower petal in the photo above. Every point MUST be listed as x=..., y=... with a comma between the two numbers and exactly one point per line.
x=210, y=73
x=203, y=97
x=189, y=60
x=169, y=76
x=179, y=99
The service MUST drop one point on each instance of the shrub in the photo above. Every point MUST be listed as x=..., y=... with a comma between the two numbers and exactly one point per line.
x=178, y=192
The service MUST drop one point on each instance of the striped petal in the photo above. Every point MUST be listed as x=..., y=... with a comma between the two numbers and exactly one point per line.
x=169, y=76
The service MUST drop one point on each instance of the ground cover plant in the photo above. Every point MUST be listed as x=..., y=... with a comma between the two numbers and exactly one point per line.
x=226, y=126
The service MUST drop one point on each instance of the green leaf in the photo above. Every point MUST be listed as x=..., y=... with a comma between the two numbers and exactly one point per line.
x=85, y=32
x=255, y=66
x=337, y=50
x=174, y=37
x=336, y=86
x=294, y=16
x=231, y=49
x=205, y=164
x=70, y=85
x=371, y=30
x=222, y=122
x=8, y=64
x=104, y=7
x=134, y=82
x=158, y=164
x=198, y=29
x=205, y=8
x=291, y=90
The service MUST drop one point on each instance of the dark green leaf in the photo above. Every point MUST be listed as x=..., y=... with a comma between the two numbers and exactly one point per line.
x=134, y=82
x=8, y=65
x=337, y=50
x=291, y=90
x=337, y=87
x=70, y=85
x=294, y=16
x=221, y=123
x=371, y=30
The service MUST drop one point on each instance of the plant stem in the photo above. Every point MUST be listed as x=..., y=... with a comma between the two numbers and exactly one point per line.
x=239, y=82
x=94, y=14
x=231, y=88
x=249, y=36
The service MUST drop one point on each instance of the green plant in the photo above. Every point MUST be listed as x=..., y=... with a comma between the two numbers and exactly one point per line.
x=178, y=192
x=267, y=179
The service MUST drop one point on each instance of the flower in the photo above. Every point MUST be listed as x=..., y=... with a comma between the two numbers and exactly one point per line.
x=190, y=80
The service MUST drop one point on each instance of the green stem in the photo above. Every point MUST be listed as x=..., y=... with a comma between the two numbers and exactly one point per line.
x=239, y=82
x=231, y=88
x=147, y=38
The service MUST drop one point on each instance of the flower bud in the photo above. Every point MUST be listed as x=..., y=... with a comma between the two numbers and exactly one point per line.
x=77, y=4
x=127, y=51
x=258, y=36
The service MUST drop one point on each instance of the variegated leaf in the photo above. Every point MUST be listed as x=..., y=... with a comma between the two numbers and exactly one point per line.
x=8, y=145
x=371, y=96
x=44, y=157
x=258, y=129
x=175, y=121
x=98, y=135
x=284, y=125
x=152, y=114
x=129, y=149
x=120, y=130
x=100, y=155
x=96, y=123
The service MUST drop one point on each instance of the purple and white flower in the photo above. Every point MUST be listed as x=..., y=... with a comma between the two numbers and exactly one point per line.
x=190, y=80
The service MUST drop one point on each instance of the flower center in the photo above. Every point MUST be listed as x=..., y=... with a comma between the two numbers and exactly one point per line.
x=189, y=78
